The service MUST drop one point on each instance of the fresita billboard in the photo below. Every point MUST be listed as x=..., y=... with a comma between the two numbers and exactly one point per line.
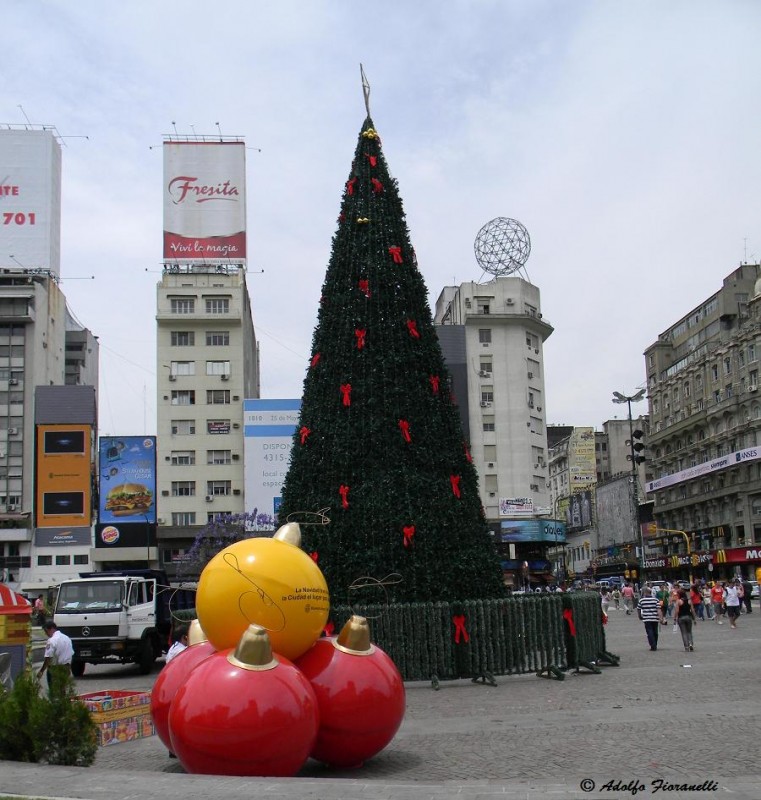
x=204, y=201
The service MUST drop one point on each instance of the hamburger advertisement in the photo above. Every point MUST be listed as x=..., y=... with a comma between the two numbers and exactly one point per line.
x=127, y=480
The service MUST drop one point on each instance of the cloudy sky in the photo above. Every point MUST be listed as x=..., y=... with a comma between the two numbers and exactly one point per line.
x=624, y=136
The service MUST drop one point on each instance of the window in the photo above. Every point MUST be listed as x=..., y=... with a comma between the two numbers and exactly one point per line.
x=183, y=427
x=183, y=458
x=184, y=397
x=487, y=395
x=212, y=515
x=183, y=518
x=727, y=366
x=530, y=399
x=44, y=561
x=714, y=372
x=484, y=335
x=217, y=305
x=215, y=488
x=218, y=368
x=217, y=338
x=218, y=397
x=183, y=488
x=485, y=365
x=741, y=357
x=182, y=368
x=751, y=352
x=490, y=452
x=81, y=559
x=218, y=456
x=182, y=305
x=488, y=423
x=62, y=561
x=183, y=338
x=483, y=307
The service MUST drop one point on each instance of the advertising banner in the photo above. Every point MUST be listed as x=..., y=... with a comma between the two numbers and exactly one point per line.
x=516, y=507
x=269, y=426
x=127, y=479
x=723, y=462
x=64, y=476
x=52, y=537
x=551, y=531
x=127, y=534
x=30, y=200
x=204, y=201
x=581, y=457
x=579, y=511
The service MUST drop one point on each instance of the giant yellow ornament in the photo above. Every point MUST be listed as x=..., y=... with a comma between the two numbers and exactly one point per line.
x=267, y=582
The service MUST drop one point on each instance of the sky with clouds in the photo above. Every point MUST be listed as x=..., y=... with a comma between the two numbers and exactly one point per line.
x=623, y=135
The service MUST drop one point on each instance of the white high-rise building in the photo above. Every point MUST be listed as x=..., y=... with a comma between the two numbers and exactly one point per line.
x=492, y=335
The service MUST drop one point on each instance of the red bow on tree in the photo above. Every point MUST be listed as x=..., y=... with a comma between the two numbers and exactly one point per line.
x=409, y=532
x=412, y=328
x=314, y=555
x=568, y=617
x=360, y=334
x=459, y=628
x=377, y=185
x=350, y=186
x=329, y=628
x=372, y=159
x=434, y=381
x=304, y=433
x=343, y=490
x=364, y=287
x=396, y=252
x=455, y=481
x=315, y=359
x=468, y=456
x=404, y=427
x=346, y=392
x=341, y=217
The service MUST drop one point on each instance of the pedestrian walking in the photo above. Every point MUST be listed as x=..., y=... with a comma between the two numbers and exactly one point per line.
x=684, y=616
x=747, y=596
x=605, y=601
x=717, y=601
x=733, y=599
x=649, y=612
x=696, y=598
x=616, y=595
x=628, y=595
x=706, y=592
x=58, y=654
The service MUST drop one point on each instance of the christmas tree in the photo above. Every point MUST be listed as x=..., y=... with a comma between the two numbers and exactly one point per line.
x=379, y=442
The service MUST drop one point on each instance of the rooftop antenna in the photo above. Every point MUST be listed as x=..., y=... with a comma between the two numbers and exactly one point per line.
x=192, y=128
x=175, y=129
x=365, y=88
x=220, y=131
x=24, y=113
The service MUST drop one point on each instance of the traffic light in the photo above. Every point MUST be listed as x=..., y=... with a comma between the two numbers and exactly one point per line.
x=637, y=446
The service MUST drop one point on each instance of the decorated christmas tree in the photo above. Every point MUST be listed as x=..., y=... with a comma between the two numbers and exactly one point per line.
x=379, y=443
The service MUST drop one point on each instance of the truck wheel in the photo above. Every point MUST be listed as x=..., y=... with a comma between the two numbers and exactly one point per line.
x=147, y=657
x=77, y=668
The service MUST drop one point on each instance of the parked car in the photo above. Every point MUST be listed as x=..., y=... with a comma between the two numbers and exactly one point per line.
x=754, y=590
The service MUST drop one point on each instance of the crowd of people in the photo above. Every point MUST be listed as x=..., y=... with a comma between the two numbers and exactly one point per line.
x=682, y=604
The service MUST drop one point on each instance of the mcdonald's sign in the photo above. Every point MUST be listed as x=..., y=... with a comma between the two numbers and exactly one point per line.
x=721, y=556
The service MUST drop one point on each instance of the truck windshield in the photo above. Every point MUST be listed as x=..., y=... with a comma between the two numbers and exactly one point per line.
x=73, y=598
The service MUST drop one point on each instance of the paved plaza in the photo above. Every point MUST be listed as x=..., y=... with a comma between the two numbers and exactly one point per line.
x=660, y=720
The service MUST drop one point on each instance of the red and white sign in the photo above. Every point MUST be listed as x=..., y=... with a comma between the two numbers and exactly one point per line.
x=204, y=201
x=30, y=200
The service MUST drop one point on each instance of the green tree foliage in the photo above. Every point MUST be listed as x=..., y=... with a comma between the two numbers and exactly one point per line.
x=379, y=442
x=53, y=729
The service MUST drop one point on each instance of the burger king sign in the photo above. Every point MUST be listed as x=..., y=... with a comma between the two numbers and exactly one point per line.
x=109, y=535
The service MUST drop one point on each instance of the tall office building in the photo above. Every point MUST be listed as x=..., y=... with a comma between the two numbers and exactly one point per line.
x=206, y=346
x=492, y=336
x=705, y=424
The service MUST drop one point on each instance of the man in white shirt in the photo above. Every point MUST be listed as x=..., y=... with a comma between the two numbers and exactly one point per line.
x=180, y=642
x=58, y=653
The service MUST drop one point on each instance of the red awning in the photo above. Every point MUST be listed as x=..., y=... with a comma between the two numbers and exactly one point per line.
x=13, y=603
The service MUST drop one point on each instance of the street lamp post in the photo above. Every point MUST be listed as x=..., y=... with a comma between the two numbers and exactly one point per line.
x=629, y=399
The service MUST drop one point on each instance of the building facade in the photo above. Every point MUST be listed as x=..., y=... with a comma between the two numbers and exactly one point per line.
x=705, y=413
x=492, y=336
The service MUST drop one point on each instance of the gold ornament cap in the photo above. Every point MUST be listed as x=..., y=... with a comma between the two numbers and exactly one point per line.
x=254, y=651
x=196, y=634
x=355, y=637
x=290, y=532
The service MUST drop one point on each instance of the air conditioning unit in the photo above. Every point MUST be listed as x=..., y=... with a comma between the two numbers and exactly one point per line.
x=539, y=315
x=174, y=429
x=235, y=397
x=531, y=374
x=490, y=464
x=235, y=457
x=538, y=408
x=485, y=404
x=752, y=387
x=172, y=377
x=492, y=494
x=236, y=491
x=536, y=350
x=484, y=374
x=485, y=344
x=225, y=377
x=12, y=507
x=13, y=382
x=209, y=498
x=236, y=425
x=12, y=431
x=509, y=301
x=160, y=521
x=165, y=492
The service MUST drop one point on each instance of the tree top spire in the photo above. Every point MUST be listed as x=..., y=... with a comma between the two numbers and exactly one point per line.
x=365, y=88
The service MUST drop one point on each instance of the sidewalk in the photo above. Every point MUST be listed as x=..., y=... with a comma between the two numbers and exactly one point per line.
x=526, y=738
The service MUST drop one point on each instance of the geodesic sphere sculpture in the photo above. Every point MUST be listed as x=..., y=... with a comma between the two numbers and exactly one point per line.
x=502, y=246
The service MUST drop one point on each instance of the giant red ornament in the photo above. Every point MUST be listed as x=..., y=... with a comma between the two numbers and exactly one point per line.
x=360, y=694
x=174, y=675
x=246, y=712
